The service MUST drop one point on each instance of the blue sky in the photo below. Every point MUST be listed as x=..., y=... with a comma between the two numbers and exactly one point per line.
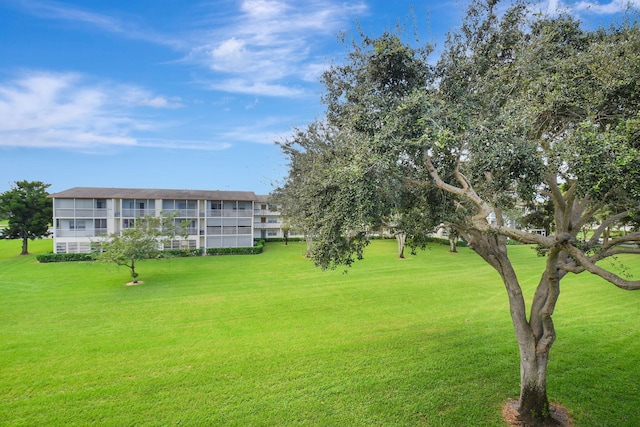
x=182, y=94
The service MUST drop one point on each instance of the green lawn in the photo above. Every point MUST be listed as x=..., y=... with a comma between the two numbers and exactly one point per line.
x=266, y=340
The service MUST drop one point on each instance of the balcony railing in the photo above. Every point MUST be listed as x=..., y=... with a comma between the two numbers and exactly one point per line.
x=191, y=231
x=266, y=225
x=228, y=213
x=135, y=213
x=265, y=212
x=81, y=213
x=181, y=213
x=89, y=232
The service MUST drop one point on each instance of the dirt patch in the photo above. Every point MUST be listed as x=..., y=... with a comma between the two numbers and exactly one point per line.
x=139, y=282
x=559, y=414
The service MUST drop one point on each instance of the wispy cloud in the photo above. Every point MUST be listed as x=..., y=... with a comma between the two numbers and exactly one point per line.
x=64, y=12
x=183, y=144
x=270, y=43
x=611, y=8
x=265, y=47
x=587, y=7
x=67, y=110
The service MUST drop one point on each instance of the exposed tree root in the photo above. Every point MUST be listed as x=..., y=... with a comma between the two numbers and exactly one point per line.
x=559, y=415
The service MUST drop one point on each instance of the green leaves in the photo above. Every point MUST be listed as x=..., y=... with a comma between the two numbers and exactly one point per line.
x=28, y=210
x=142, y=241
x=513, y=110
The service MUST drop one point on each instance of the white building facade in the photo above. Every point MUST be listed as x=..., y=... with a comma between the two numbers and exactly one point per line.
x=214, y=219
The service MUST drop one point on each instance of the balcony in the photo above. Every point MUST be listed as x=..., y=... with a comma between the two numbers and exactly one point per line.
x=265, y=212
x=228, y=213
x=89, y=232
x=266, y=225
x=181, y=213
x=135, y=213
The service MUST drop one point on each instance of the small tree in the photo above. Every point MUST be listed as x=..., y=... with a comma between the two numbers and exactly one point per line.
x=28, y=210
x=142, y=241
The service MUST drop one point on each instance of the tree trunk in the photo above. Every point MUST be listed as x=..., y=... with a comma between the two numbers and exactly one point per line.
x=401, y=239
x=535, y=336
x=535, y=343
x=25, y=246
x=533, y=405
x=452, y=244
x=134, y=275
x=309, y=245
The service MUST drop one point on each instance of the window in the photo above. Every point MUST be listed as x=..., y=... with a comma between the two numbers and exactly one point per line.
x=214, y=230
x=84, y=203
x=64, y=203
x=101, y=203
x=128, y=223
x=272, y=220
x=100, y=223
x=77, y=225
x=216, y=205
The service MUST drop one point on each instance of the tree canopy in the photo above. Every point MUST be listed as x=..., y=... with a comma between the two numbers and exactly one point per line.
x=143, y=240
x=29, y=212
x=518, y=111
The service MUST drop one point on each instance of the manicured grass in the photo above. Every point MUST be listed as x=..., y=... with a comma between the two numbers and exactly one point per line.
x=266, y=340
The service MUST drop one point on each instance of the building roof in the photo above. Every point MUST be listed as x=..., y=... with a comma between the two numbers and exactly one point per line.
x=152, y=193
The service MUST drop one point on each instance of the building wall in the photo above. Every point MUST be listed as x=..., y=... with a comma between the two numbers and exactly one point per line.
x=79, y=222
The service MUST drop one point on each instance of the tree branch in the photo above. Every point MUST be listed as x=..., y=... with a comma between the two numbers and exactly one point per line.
x=483, y=209
x=591, y=267
x=605, y=224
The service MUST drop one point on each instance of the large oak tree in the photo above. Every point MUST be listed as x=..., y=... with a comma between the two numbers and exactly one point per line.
x=519, y=110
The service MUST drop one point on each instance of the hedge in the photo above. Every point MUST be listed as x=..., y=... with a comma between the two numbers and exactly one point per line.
x=179, y=253
x=51, y=257
x=281, y=239
x=176, y=253
x=254, y=250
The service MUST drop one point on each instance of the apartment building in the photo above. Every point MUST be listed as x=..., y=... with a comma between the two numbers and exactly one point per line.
x=214, y=219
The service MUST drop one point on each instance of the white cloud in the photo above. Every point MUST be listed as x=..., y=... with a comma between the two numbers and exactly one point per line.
x=199, y=145
x=249, y=87
x=263, y=8
x=611, y=8
x=60, y=11
x=587, y=7
x=66, y=110
x=271, y=43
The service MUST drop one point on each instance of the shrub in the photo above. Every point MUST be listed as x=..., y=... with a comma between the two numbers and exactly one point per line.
x=51, y=257
x=180, y=253
x=281, y=239
x=170, y=253
x=254, y=250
